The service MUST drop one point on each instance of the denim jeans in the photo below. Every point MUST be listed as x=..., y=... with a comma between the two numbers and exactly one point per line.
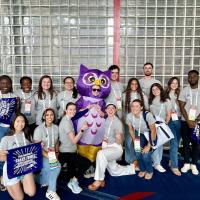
x=175, y=127
x=3, y=131
x=157, y=155
x=130, y=154
x=49, y=176
x=144, y=159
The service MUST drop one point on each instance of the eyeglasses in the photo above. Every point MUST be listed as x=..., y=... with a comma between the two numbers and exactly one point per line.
x=96, y=90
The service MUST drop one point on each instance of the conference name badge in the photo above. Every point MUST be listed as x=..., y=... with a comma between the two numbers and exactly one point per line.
x=119, y=104
x=27, y=109
x=137, y=144
x=104, y=144
x=192, y=113
x=53, y=162
x=174, y=116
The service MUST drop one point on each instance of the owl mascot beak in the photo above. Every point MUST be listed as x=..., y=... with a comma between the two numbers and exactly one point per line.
x=97, y=82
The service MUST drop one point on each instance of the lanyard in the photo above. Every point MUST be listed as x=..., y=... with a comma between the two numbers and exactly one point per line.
x=24, y=96
x=191, y=100
x=139, y=124
x=52, y=135
x=161, y=109
x=109, y=127
x=44, y=101
x=115, y=91
x=17, y=142
x=65, y=98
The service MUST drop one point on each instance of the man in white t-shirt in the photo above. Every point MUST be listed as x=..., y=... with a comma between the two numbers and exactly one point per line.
x=147, y=81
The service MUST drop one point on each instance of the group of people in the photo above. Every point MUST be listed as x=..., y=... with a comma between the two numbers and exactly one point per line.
x=48, y=117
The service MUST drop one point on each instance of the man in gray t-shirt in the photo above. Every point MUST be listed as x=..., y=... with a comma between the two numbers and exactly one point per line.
x=147, y=81
x=190, y=110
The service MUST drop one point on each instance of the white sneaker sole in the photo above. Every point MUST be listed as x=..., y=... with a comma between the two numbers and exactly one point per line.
x=71, y=188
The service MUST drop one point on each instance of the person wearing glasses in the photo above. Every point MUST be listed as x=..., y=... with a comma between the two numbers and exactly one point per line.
x=116, y=89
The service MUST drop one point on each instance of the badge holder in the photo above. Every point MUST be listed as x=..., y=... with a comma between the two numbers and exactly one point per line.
x=119, y=104
x=104, y=144
x=27, y=110
x=192, y=114
x=53, y=162
x=137, y=144
x=174, y=116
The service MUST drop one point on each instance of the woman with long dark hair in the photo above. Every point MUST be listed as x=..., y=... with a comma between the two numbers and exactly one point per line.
x=173, y=91
x=160, y=107
x=18, y=136
x=45, y=97
x=133, y=91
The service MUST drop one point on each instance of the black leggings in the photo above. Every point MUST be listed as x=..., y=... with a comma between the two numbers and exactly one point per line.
x=76, y=164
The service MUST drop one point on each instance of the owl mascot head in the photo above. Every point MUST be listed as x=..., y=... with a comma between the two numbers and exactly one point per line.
x=91, y=140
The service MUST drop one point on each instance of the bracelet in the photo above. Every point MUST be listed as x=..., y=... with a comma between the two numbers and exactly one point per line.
x=82, y=130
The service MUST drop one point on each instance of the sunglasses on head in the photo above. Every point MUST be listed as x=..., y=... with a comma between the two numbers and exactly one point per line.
x=94, y=90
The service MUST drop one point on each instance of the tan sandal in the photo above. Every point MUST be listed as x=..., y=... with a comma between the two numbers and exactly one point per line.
x=96, y=185
x=141, y=174
x=176, y=171
x=148, y=176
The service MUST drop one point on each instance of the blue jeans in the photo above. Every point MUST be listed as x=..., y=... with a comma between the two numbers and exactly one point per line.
x=175, y=127
x=157, y=155
x=49, y=176
x=130, y=154
x=3, y=131
x=144, y=159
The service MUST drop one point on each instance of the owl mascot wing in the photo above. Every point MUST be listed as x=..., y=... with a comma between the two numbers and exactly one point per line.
x=90, y=142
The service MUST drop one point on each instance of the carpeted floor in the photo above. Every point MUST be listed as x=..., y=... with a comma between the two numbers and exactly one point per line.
x=162, y=186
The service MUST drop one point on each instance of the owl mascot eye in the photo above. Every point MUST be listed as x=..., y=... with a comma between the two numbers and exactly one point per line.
x=90, y=142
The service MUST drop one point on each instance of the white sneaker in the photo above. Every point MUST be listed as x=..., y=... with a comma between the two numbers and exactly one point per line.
x=185, y=168
x=73, y=185
x=52, y=195
x=159, y=168
x=194, y=169
x=90, y=172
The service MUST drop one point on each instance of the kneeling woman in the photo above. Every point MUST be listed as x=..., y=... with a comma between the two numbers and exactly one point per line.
x=18, y=136
x=47, y=134
x=137, y=127
x=111, y=151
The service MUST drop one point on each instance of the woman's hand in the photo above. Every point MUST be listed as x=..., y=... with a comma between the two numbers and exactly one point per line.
x=3, y=153
x=146, y=149
x=85, y=126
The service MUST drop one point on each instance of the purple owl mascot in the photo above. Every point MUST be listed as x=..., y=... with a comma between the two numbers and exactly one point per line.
x=91, y=140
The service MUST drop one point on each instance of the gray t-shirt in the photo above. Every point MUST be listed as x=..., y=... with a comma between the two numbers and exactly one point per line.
x=63, y=99
x=47, y=135
x=27, y=98
x=159, y=108
x=174, y=103
x=146, y=84
x=116, y=92
x=42, y=104
x=191, y=97
x=135, y=95
x=140, y=125
x=66, y=127
x=112, y=127
x=9, y=142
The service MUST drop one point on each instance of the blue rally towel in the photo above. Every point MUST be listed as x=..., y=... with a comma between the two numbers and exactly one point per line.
x=24, y=160
x=7, y=110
